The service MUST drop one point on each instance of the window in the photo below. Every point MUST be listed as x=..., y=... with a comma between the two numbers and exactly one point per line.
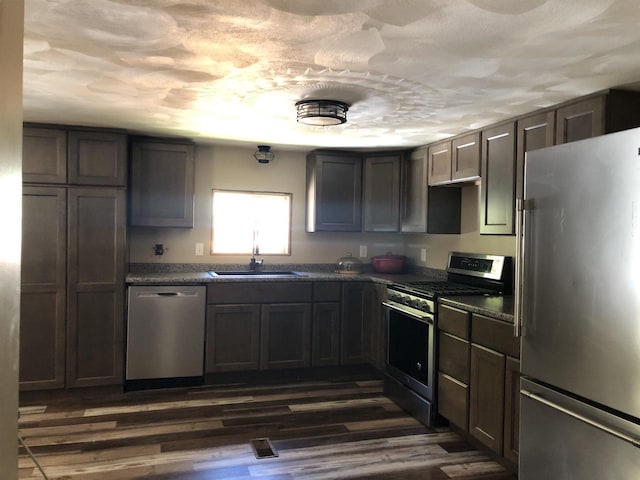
x=244, y=221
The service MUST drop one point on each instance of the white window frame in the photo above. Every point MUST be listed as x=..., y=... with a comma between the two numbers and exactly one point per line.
x=250, y=230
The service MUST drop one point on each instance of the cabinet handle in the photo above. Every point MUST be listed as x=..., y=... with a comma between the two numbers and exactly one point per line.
x=517, y=301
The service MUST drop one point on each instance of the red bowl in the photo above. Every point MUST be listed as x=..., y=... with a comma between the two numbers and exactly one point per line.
x=389, y=263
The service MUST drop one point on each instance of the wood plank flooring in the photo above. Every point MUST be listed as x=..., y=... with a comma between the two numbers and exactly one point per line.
x=321, y=429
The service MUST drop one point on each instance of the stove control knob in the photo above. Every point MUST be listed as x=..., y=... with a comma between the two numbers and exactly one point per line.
x=424, y=306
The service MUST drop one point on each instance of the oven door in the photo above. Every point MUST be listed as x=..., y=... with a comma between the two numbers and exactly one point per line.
x=411, y=348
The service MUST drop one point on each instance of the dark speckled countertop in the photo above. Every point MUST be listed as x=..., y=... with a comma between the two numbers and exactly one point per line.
x=168, y=278
x=499, y=306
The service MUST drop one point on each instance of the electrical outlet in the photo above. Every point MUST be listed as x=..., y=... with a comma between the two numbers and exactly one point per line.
x=423, y=254
x=363, y=250
x=199, y=249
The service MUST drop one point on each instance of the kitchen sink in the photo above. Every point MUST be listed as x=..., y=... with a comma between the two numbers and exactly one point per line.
x=259, y=273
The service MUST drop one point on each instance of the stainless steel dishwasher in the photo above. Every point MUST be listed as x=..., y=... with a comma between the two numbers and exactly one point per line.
x=165, y=333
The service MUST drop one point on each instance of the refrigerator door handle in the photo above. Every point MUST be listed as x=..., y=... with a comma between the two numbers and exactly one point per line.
x=517, y=301
x=600, y=426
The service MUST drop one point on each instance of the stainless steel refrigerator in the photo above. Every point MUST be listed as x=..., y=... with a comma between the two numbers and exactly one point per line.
x=579, y=304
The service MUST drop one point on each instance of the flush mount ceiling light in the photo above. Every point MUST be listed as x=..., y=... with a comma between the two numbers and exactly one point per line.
x=263, y=154
x=321, y=112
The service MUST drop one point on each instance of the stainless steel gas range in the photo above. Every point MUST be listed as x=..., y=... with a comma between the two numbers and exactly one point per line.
x=412, y=347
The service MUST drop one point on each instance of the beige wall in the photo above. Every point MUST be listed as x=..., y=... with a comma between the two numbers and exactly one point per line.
x=235, y=168
x=470, y=240
x=11, y=33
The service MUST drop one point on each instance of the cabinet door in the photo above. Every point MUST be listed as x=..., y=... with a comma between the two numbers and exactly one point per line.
x=286, y=336
x=233, y=338
x=43, y=287
x=533, y=132
x=359, y=307
x=453, y=400
x=465, y=157
x=512, y=409
x=486, y=397
x=413, y=216
x=497, y=192
x=97, y=158
x=334, y=192
x=162, y=184
x=382, y=193
x=95, y=302
x=44, y=155
x=439, y=163
x=580, y=120
x=325, y=334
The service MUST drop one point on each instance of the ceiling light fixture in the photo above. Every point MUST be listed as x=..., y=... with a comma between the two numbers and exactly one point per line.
x=321, y=113
x=263, y=154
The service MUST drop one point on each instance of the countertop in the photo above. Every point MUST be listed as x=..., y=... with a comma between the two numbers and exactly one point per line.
x=205, y=277
x=498, y=306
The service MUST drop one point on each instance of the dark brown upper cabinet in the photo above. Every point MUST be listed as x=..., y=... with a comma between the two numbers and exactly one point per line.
x=533, y=132
x=382, y=192
x=439, y=161
x=497, y=191
x=44, y=155
x=456, y=160
x=426, y=209
x=162, y=184
x=334, y=191
x=465, y=158
x=74, y=157
x=97, y=158
x=605, y=112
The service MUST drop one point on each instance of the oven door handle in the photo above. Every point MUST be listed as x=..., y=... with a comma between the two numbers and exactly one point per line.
x=421, y=317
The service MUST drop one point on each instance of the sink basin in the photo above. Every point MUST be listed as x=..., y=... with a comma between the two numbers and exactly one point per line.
x=260, y=273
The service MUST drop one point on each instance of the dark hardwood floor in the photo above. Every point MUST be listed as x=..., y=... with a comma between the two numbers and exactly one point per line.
x=321, y=429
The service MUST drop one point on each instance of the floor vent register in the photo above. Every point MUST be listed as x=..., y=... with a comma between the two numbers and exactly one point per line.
x=262, y=448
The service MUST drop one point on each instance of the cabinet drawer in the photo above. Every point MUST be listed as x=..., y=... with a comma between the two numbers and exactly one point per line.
x=454, y=357
x=453, y=401
x=453, y=321
x=495, y=334
x=259, y=292
x=327, y=291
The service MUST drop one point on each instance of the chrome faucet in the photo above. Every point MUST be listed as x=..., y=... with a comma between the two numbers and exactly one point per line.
x=253, y=263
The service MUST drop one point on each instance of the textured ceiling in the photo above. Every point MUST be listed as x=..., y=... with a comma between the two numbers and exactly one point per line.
x=413, y=71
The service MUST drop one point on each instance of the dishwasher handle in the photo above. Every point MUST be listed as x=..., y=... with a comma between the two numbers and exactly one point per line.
x=166, y=294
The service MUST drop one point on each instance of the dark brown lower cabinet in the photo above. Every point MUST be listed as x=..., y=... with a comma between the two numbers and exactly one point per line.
x=233, y=338
x=479, y=378
x=286, y=336
x=360, y=305
x=453, y=400
x=95, y=286
x=486, y=396
x=72, y=287
x=325, y=344
x=43, y=288
x=512, y=409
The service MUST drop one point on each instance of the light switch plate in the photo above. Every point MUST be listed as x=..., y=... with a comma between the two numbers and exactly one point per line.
x=199, y=249
x=363, y=250
x=423, y=254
